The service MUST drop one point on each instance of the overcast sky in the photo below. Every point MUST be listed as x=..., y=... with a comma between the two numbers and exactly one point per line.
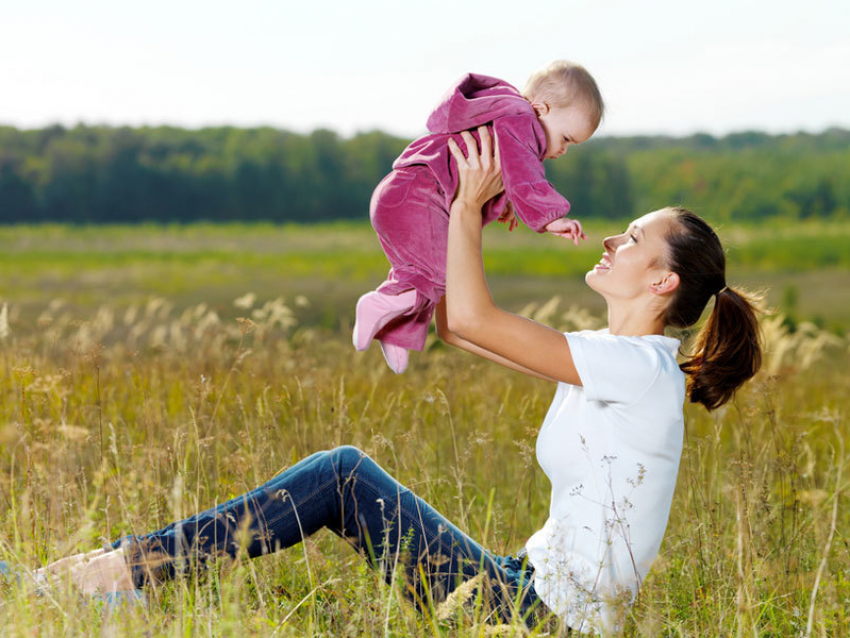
x=663, y=66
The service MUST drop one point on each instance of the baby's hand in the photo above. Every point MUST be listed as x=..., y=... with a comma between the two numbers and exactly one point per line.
x=566, y=228
x=509, y=217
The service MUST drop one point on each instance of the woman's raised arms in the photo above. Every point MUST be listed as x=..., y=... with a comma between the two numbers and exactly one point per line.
x=471, y=313
x=453, y=339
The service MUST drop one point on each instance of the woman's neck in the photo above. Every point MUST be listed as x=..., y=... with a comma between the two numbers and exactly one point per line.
x=634, y=320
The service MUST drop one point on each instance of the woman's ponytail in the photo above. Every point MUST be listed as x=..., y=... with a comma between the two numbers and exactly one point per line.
x=728, y=347
x=727, y=350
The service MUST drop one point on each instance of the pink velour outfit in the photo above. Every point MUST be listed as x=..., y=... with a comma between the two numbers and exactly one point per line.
x=410, y=207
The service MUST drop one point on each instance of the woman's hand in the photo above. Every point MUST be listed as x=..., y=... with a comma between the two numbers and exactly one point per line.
x=479, y=174
x=470, y=314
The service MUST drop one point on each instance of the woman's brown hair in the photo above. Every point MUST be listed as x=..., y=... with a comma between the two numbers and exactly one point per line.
x=727, y=349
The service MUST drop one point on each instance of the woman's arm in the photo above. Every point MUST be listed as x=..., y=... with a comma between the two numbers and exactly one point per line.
x=452, y=339
x=471, y=313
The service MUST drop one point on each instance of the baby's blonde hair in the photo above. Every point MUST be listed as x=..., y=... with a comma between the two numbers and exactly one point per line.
x=563, y=83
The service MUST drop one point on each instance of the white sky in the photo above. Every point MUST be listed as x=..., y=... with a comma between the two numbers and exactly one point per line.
x=663, y=66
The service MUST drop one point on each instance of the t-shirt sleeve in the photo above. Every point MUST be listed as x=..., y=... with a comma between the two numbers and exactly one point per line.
x=613, y=369
x=535, y=200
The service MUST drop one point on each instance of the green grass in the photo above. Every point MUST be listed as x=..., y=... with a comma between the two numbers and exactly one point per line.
x=139, y=399
x=333, y=264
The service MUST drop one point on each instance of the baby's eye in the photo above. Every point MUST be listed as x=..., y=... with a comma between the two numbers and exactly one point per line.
x=634, y=239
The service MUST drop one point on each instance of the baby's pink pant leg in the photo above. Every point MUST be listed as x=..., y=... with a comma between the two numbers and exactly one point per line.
x=409, y=214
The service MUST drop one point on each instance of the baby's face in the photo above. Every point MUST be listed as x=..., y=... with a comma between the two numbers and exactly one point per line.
x=564, y=126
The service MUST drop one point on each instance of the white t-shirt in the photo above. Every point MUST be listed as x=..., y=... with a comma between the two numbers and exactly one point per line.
x=611, y=450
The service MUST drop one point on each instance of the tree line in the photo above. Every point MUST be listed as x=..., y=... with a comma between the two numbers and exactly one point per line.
x=101, y=174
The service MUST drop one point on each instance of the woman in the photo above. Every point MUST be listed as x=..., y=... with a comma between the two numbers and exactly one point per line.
x=610, y=443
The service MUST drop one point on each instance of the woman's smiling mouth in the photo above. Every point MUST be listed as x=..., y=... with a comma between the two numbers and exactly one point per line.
x=604, y=263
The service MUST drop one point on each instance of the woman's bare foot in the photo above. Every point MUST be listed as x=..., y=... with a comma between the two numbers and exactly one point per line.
x=103, y=574
x=61, y=567
x=93, y=572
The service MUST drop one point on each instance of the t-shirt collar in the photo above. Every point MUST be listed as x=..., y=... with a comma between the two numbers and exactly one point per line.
x=669, y=343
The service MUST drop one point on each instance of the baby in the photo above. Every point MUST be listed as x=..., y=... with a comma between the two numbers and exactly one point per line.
x=560, y=106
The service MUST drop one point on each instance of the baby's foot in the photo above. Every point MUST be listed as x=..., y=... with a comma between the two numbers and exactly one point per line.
x=396, y=356
x=375, y=310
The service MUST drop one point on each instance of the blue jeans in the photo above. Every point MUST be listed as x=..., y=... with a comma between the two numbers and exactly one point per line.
x=347, y=492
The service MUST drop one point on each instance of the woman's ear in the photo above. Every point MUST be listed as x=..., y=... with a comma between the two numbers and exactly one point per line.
x=541, y=108
x=665, y=284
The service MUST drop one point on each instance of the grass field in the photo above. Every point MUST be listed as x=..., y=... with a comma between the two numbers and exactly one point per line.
x=132, y=396
x=333, y=264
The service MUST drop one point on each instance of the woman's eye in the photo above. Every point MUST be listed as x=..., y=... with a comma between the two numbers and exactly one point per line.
x=634, y=239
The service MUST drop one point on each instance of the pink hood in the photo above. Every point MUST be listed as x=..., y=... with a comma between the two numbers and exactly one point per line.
x=476, y=100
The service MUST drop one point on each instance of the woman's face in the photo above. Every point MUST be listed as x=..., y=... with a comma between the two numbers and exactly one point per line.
x=634, y=262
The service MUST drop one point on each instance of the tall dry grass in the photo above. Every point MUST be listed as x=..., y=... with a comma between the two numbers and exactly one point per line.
x=124, y=420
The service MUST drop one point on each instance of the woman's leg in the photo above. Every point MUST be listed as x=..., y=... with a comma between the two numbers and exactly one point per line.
x=347, y=492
